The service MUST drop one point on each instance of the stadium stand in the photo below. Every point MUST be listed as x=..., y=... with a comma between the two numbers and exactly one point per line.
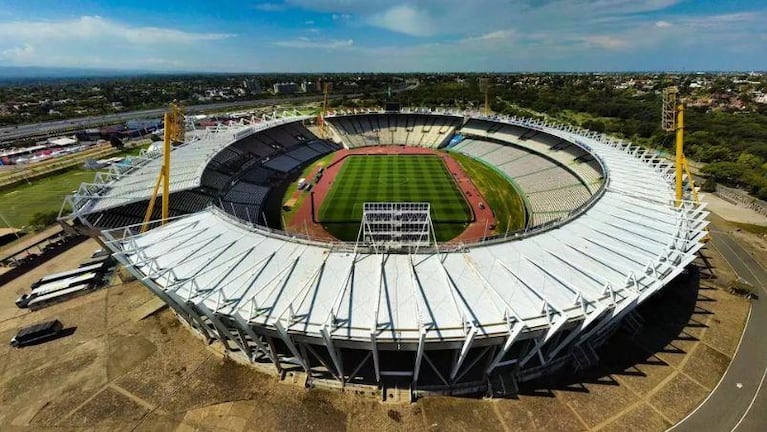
x=244, y=200
x=283, y=163
x=258, y=174
x=552, y=179
x=416, y=130
x=214, y=179
x=563, y=152
x=181, y=203
x=487, y=315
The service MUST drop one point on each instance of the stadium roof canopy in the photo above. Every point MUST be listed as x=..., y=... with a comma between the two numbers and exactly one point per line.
x=135, y=180
x=628, y=244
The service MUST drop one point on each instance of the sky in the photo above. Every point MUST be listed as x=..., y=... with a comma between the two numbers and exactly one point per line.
x=386, y=35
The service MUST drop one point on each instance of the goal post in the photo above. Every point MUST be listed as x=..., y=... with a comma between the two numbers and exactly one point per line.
x=396, y=226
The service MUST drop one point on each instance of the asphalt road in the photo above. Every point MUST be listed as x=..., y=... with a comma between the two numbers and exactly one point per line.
x=35, y=129
x=11, y=133
x=739, y=403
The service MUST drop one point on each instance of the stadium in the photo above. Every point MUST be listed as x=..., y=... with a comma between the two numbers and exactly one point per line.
x=422, y=283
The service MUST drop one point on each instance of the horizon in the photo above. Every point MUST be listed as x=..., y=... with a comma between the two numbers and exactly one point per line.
x=377, y=36
x=96, y=72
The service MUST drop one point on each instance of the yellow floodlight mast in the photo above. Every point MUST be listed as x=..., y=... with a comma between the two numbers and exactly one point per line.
x=484, y=86
x=673, y=121
x=173, y=133
x=324, y=111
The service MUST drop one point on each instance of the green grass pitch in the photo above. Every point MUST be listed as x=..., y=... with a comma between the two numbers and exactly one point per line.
x=394, y=178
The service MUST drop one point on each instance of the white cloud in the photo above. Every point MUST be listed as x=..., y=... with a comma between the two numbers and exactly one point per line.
x=605, y=42
x=304, y=43
x=405, y=19
x=93, y=41
x=98, y=28
x=270, y=7
x=458, y=35
x=19, y=54
x=493, y=36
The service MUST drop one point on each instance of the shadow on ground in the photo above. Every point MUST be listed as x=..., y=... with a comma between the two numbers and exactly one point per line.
x=668, y=321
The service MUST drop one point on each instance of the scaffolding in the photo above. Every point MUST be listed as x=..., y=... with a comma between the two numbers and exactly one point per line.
x=390, y=226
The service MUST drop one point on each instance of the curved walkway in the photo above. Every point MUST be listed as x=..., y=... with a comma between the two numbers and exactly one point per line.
x=739, y=402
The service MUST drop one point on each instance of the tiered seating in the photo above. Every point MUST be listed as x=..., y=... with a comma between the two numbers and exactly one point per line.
x=245, y=212
x=323, y=146
x=189, y=201
x=303, y=153
x=547, y=180
x=230, y=160
x=562, y=152
x=417, y=130
x=214, y=179
x=477, y=148
x=558, y=200
x=552, y=190
x=246, y=193
x=590, y=172
x=245, y=200
x=504, y=154
x=258, y=174
x=181, y=203
x=255, y=145
x=542, y=218
x=527, y=165
x=283, y=163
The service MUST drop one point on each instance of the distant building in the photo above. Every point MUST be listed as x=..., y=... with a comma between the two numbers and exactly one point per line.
x=253, y=86
x=285, y=88
x=61, y=141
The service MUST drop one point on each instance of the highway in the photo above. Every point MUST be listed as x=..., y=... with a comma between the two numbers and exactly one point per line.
x=11, y=133
x=739, y=402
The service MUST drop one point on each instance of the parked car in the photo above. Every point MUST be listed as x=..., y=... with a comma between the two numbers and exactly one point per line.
x=37, y=333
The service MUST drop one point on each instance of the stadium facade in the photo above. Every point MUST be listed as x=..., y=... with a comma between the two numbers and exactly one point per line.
x=603, y=235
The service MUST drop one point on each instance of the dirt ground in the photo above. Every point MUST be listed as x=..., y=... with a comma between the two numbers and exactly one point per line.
x=732, y=212
x=117, y=373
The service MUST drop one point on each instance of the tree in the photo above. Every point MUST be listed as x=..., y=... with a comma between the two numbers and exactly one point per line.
x=43, y=219
x=709, y=185
x=749, y=160
x=725, y=172
x=595, y=125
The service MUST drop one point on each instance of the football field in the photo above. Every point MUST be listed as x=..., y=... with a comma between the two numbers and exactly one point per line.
x=393, y=178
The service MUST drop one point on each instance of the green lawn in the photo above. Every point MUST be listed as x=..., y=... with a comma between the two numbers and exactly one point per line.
x=508, y=206
x=394, y=178
x=43, y=195
x=46, y=194
x=288, y=215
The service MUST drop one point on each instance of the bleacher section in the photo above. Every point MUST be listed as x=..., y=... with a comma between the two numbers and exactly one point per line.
x=181, y=203
x=258, y=174
x=417, y=130
x=280, y=149
x=245, y=200
x=283, y=163
x=237, y=178
x=561, y=151
x=552, y=190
